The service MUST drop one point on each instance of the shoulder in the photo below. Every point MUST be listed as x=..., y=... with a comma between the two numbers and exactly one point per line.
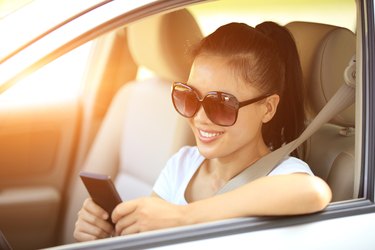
x=174, y=178
x=291, y=165
x=184, y=159
x=186, y=153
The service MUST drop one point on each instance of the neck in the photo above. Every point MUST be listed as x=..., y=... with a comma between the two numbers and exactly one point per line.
x=225, y=168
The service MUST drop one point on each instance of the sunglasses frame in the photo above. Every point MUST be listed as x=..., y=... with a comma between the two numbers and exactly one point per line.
x=201, y=102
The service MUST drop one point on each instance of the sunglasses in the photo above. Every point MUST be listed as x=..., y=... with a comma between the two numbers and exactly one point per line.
x=221, y=108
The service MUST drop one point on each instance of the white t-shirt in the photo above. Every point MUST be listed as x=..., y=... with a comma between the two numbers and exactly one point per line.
x=175, y=177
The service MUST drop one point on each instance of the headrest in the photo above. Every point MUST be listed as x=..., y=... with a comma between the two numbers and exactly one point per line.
x=325, y=52
x=160, y=43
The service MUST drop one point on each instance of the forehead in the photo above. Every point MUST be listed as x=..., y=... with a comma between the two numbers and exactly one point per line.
x=214, y=73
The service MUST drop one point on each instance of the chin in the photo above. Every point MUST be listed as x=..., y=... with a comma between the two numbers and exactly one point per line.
x=208, y=151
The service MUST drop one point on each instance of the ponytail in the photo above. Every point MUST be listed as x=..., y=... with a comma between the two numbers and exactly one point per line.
x=289, y=120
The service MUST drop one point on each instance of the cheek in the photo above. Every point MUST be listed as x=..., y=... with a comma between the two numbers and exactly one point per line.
x=250, y=115
x=190, y=122
x=249, y=121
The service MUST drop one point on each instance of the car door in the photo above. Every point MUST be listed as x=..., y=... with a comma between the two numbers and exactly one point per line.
x=43, y=105
x=39, y=124
x=39, y=121
x=343, y=225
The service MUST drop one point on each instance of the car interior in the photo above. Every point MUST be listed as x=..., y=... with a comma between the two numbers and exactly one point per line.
x=325, y=52
x=129, y=127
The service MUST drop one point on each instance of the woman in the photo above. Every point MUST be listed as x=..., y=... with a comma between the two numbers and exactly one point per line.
x=248, y=81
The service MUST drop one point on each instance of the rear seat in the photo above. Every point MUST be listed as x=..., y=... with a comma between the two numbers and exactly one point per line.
x=141, y=129
x=325, y=51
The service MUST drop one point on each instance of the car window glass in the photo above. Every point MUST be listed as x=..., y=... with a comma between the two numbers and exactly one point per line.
x=58, y=81
x=7, y=7
x=214, y=14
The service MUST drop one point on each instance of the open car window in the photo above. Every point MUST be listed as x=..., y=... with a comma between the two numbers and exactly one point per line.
x=350, y=171
x=209, y=16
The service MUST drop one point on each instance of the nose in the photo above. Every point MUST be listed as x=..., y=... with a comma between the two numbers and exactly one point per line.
x=201, y=117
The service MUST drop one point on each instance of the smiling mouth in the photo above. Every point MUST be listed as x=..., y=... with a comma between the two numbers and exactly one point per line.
x=207, y=136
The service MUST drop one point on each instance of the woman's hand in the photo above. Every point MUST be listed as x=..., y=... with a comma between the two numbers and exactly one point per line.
x=92, y=223
x=146, y=214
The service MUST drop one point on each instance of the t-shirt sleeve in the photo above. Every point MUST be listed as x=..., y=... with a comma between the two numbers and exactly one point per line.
x=171, y=177
x=162, y=186
x=291, y=165
x=174, y=178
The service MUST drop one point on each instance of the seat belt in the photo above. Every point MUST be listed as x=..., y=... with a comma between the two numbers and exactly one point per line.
x=342, y=99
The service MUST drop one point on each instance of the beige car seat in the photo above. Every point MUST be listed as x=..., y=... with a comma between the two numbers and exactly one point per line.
x=325, y=51
x=141, y=129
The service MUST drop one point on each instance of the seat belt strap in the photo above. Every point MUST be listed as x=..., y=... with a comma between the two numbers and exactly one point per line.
x=342, y=99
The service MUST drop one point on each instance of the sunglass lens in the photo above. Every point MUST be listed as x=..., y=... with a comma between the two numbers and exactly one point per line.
x=221, y=109
x=185, y=101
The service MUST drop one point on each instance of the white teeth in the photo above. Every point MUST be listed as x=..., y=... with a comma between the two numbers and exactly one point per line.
x=208, y=135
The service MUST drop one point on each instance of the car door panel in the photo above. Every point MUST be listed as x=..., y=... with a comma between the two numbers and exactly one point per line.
x=36, y=145
x=23, y=216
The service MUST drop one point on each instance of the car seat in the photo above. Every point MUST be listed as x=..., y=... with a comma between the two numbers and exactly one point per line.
x=141, y=129
x=325, y=51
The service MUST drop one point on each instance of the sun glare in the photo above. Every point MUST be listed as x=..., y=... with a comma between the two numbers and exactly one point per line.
x=340, y=13
x=61, y=80
x=58, y=81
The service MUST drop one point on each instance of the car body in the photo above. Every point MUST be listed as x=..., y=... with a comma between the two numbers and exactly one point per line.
x=51, y=111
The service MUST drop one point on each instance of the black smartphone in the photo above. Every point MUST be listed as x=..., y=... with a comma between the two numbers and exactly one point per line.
x=102, y=191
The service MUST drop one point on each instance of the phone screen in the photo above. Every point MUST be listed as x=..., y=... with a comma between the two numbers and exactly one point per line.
x=102, y=191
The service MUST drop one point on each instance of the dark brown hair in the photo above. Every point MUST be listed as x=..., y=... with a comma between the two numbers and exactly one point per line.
x=265, y=57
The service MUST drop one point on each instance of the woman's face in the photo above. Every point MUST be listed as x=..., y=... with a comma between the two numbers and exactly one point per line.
x=211, y=73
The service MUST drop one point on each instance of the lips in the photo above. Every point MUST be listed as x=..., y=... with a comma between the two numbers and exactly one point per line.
x=208, y=136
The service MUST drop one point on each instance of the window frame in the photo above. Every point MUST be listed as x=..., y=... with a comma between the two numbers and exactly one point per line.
x=341, y=209
x=240, y=225
x=367, y=184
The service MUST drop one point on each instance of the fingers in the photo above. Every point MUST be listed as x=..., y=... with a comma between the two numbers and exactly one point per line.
x=139, y=215
x=81, y=236
x=133, y=229
x=123, y=218
x=91, y=219
x=124, y=225
x=94, y=209
x=145, y=214
x=85, y=231
x=91, y=223
x=123, y=210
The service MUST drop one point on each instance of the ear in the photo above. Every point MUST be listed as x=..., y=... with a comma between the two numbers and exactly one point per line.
x=270, y=105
